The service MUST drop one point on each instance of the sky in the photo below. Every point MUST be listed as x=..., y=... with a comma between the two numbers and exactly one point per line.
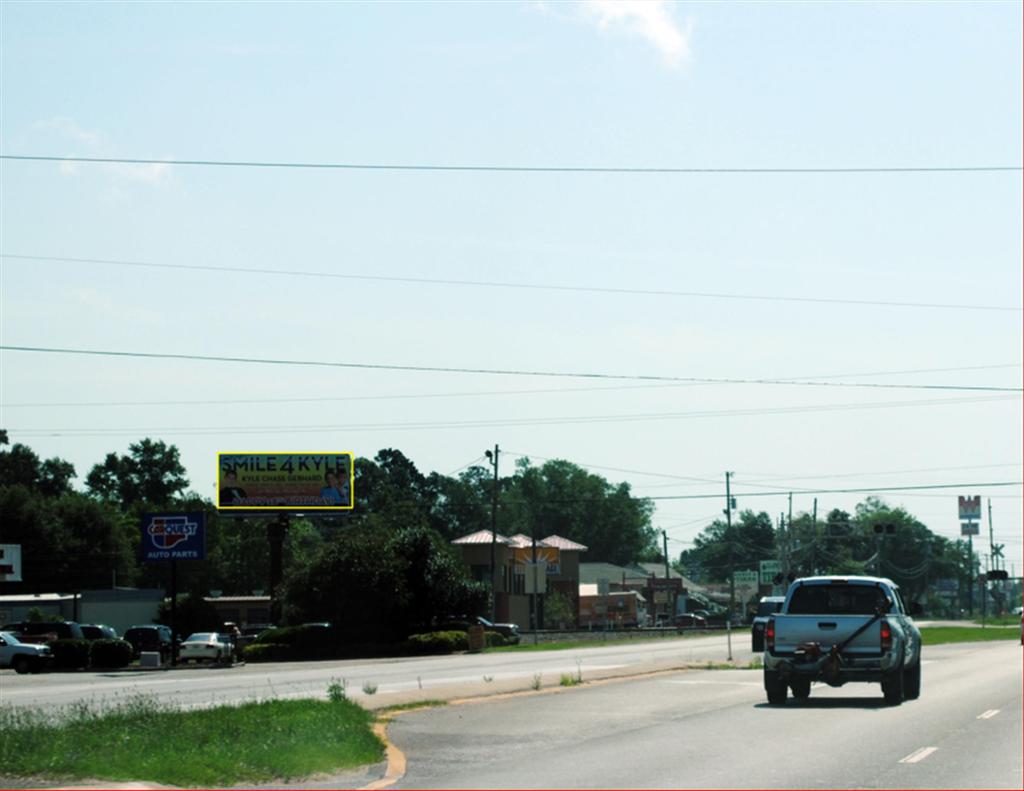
x=836, y=281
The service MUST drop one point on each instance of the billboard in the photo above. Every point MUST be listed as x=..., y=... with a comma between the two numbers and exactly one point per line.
x=970, y=508
x=285, y=481
x=177, y=536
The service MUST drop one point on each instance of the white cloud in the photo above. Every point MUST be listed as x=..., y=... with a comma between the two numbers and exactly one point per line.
x=652, y=20
x=66, y=129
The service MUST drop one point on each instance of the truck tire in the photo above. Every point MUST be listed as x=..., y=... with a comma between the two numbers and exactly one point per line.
x=912, y=682
x=775, y=688
x=892, y=688
x=21, y=664
x=801, y=688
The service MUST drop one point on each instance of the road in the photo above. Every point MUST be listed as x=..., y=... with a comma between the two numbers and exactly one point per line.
x=713, y=729
x=396, y=680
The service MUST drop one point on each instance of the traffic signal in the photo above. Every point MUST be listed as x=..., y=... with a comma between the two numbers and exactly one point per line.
x=998, y=574
x=884, y=528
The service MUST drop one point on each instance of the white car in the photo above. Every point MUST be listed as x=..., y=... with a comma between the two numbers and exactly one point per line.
x=23, y=657
x=206, y=646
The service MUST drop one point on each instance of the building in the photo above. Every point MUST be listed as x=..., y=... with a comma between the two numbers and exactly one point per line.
x=517, y=578
x=119, y=608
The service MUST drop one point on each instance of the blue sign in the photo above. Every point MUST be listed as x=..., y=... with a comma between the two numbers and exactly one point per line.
x=173, y=536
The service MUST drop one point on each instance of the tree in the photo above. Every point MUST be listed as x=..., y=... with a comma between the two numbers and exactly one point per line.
x=150, y=474
x=716, y=548
x=562, y=498
x=20, y=465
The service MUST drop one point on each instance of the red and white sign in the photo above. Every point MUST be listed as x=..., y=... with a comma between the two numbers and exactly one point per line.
x=970, y=508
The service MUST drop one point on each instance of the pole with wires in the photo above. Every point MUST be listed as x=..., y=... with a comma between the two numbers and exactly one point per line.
x=493, y=457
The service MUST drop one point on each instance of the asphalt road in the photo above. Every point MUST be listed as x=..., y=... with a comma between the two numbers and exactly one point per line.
x=396, y=680
x=713, y=729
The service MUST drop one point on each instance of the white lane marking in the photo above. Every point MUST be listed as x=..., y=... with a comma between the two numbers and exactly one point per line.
x=918, y=755
x=988, y=714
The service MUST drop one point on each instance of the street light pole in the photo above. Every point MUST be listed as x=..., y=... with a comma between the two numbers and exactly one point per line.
x=494, y=530
x=728, y=533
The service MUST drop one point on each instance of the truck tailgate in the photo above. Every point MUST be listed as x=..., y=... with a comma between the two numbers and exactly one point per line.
x=828, y=630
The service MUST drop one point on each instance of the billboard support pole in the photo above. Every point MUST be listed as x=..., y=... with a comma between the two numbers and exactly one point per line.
x=174, y=612
x=970, y=575
x=276, y=532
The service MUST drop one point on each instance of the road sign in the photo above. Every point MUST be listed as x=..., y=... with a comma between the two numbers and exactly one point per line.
x=969, y=528
x=769, y=568
x=970, y=508
x=997, y=550
x=744, y=578
x=10, y=563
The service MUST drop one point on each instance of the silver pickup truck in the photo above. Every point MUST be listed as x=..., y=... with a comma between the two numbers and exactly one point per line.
x=842, y=629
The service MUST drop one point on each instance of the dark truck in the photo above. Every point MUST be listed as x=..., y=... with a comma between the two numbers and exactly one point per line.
x=842, y=629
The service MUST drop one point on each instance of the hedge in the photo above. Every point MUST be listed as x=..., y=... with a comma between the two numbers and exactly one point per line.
x=70, y=654
x=110, y=653
x=268, y=652
x=438, y=642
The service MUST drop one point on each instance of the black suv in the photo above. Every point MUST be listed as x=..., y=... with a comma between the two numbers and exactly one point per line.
x=150, y=638
x=44, y=631
x=98, y=631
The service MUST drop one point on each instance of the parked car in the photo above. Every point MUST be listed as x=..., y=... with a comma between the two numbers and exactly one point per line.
x=23, y=657
x=150, y=638
x=98, y=631
x=689, y=620
x=40, y=632
x=207, y=647
x=768, y=606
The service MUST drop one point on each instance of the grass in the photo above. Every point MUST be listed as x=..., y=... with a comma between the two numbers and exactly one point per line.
x=1000, y=620
x=145, y=740
x=560, y=646
x=416, y=704
x=935, y=635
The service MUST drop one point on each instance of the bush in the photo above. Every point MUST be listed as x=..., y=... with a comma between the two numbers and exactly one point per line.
x=495, y=639
x=308, y=641
x=110, y=653
x=438, y=642
x=70, y=654
x=268, y=652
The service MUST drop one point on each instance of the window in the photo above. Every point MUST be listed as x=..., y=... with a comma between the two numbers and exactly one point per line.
x=836, y=600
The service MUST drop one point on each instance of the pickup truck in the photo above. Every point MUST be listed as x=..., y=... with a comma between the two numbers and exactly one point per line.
x=23, y=657
x=842, y=629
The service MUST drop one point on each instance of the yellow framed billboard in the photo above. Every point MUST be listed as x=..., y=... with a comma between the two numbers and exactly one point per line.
x=305, y=481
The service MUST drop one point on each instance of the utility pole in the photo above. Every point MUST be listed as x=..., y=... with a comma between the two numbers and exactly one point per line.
x=970, y=575
x=664, y=539
x=991, y=539
x=494, y=531
x=814, y=539
x=728, y=536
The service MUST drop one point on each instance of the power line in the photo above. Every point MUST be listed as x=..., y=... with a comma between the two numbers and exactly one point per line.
x=506, y=284
x=231, y=163
x=493, y=371
x=500, y=422
x=463, y=394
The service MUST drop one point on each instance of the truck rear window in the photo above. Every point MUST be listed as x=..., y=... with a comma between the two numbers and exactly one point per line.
x=836, y=600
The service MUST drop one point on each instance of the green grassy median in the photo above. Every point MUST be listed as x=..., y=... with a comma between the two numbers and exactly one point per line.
x=145, y=740
x=934, y=635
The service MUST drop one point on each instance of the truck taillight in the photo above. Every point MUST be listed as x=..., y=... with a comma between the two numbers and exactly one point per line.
x=769, y=634
x=886, y=632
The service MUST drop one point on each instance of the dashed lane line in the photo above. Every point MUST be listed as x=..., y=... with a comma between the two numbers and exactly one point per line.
x=918, y=755
x=988, y=714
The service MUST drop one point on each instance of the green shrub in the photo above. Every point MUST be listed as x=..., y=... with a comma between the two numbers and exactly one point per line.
x=110, y=653
x=495, y=639
x=268, y=652
x=70, y=654
x=307, y=641
x=438, y=642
